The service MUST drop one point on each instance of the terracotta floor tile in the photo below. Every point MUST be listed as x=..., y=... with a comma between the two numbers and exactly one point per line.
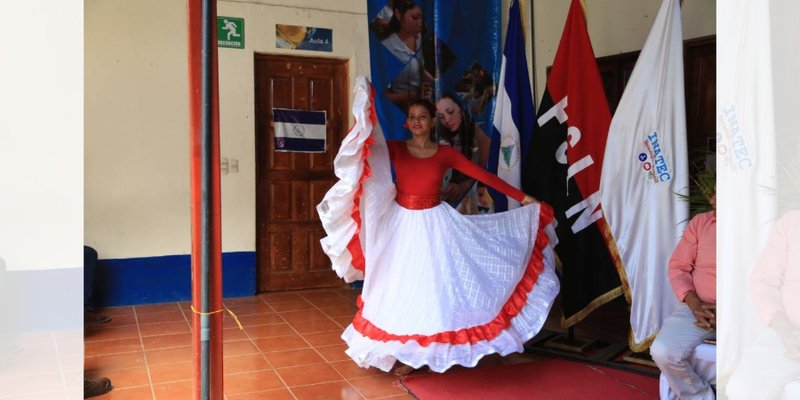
x=161, y=307
x=233, y=334
x=245, y=363
x=350, y=369
x=123, y=378
x=324, y=338
x=242, y=300
x=340, y=310
x=327, y=391
x=343, y=321
x=291, y=358
x=121, y=320
x=165, y=328
x=178, y=371
x=303, y=315
x=181, y=390
x=331, y=302
x=138, y=393
x=277, y=394
x=252, y=382
x=249, y=309
x=239, y=348
x=321, y=325
x=308, y=374
x=259, y=319
x=333, y=353
x=280, y=343
x=92, y=349
x=167, y=341
x=169, y=356
x=271, y=297
x=266, y=331
x=376, y=386
x=159, y=317
x=116, y=311
x=115, y=361
x=293, y=305
x=96, y=333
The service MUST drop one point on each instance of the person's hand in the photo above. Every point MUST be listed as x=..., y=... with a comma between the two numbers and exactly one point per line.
x=789, y=334
x=704, y=312
x=454, y=190
x=529, y=200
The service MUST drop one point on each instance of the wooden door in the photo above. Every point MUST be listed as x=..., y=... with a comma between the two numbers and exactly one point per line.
x=700, y=75
x=290, y=185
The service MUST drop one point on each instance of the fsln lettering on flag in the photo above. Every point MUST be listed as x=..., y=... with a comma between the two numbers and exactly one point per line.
x=299, y=130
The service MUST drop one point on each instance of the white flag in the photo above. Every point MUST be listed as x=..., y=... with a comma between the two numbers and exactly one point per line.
x=645, y=166
x=745, y=162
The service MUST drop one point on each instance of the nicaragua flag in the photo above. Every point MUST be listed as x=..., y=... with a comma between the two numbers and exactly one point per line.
x=645, y=169
x=514, y=114
x=299, y=130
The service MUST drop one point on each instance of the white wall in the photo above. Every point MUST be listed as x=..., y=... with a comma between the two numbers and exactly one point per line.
x=136, y=102
x=615, y=27
x=136, y=115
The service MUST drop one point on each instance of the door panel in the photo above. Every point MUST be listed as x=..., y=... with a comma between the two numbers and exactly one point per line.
x=290, y=185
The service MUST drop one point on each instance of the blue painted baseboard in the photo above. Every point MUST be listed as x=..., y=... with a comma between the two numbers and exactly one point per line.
x=128, y=281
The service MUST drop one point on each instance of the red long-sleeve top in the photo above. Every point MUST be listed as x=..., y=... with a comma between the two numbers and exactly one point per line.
x=423, y=176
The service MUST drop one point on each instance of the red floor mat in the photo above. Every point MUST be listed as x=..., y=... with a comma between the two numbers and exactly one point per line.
x=537, y=380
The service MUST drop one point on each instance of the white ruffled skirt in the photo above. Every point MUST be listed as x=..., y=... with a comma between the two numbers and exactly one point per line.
x=440, y=288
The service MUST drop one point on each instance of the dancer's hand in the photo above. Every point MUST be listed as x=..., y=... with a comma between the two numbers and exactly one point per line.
x=529, y=200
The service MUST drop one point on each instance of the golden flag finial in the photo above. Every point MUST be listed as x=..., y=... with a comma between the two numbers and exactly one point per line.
x=583, y=7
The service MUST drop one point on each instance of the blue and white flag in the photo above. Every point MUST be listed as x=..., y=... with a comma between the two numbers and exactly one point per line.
x=514, y=114
x=299, y=130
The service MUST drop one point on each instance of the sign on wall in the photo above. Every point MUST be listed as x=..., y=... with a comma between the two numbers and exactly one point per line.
x=303, y=38
x=230, y=32
x=299, y=130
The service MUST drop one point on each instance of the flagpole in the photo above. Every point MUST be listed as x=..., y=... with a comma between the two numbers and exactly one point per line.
x=205, y=200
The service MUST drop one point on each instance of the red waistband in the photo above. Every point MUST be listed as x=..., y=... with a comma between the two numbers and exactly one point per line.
x=416, y=201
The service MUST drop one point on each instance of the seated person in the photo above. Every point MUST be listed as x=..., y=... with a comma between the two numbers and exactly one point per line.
x=770, y=369
x=693, y=275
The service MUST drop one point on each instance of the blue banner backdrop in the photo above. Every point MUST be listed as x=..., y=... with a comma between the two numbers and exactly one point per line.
x=429, y=48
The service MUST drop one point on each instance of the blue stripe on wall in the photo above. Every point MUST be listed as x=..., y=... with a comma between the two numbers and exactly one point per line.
x=128, y=281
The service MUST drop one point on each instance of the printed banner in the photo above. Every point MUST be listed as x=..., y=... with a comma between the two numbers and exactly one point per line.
x=299, y=130
x=436, y=49
x=303, y=38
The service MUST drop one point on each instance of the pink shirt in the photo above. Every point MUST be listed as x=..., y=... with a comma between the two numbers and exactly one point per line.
x=775, y=281
x=693, y=265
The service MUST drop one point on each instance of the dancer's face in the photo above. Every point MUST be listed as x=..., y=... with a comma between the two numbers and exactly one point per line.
x=449, y=113
x=419, y=121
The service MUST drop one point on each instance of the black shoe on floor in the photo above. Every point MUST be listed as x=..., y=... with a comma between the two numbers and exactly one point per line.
x=96, y=387
x=93, y=318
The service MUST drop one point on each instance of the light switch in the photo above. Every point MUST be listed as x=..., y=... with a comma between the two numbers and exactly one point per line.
x=234, y=166
x=223, y=168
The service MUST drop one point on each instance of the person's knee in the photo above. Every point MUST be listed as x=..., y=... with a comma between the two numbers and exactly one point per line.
x=661, y=351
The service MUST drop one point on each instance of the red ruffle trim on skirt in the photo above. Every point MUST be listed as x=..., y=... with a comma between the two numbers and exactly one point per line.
x=489, y=330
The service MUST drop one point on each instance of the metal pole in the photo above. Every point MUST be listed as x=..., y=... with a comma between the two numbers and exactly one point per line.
x=206, y=249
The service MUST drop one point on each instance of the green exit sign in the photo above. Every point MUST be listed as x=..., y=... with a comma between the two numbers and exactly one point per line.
x=230, y=32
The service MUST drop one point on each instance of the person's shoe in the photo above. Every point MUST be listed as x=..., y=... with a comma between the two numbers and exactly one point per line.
x=96, y=387
x=94, y=318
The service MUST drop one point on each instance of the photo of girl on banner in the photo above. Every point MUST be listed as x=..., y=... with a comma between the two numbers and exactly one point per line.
x=405, y=41
x=457, y=129
x=440, y=51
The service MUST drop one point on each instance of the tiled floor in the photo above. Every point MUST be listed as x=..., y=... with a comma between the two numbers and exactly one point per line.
x=289, y=349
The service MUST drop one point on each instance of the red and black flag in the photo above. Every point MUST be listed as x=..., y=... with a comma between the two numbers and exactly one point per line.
x=564, y=165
